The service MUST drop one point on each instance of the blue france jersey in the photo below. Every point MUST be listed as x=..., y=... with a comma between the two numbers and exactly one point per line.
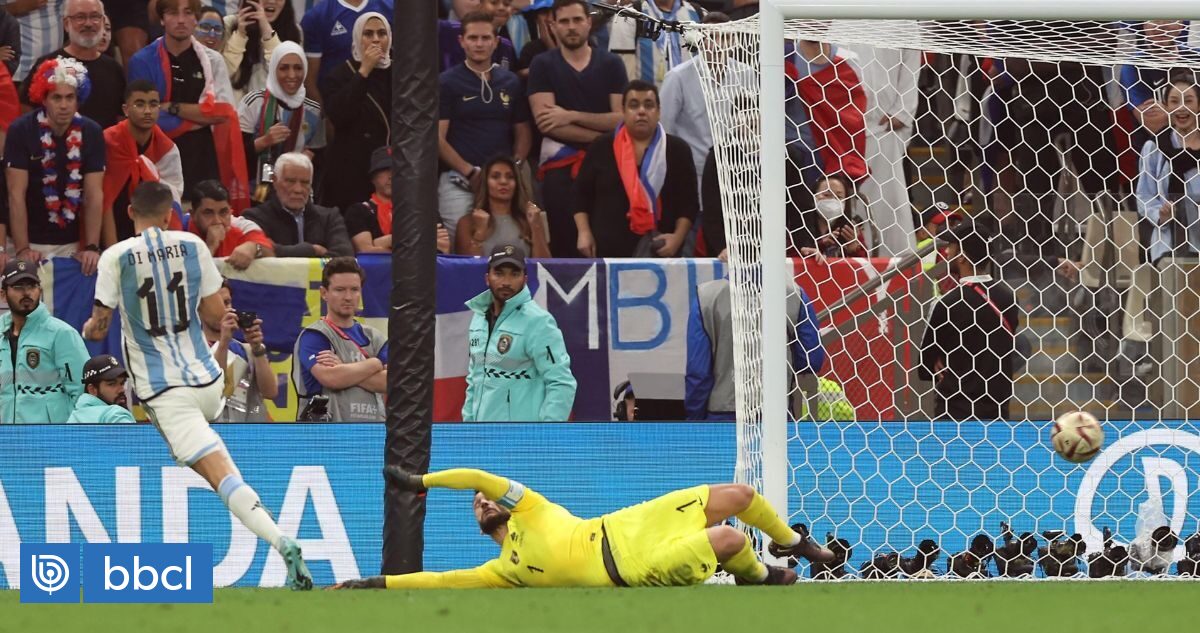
x=157, y=280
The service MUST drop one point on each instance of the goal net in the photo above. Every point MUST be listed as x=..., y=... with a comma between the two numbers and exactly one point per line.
x=1071, y=148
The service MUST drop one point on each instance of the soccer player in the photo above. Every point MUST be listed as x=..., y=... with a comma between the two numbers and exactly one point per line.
x=676, y=539
x=164, y=282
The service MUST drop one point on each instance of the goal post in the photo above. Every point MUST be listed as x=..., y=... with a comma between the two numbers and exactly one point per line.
x=886, y=476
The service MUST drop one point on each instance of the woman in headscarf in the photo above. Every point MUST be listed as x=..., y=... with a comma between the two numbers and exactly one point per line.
x=280, y=118
x=254, y=33
x=358, y=98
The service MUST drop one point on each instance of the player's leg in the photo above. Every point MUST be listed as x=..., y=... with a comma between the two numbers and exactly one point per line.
x=735, y=553
x=218, y=469
x=182, y=415
x=744, y=502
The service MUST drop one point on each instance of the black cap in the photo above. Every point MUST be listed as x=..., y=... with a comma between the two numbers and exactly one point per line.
x=19, y=270
x=507, y=254
x=381, y=159
x=940, y=213
x=973, y=239
x=102, y=367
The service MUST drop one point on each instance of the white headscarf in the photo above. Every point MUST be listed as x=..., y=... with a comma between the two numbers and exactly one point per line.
x=284, y=49
x=359, y=25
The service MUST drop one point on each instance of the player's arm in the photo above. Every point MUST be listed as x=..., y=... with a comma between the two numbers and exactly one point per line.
x=96, y=327
x=108, y=297
x=477, y=578
x=506, y=492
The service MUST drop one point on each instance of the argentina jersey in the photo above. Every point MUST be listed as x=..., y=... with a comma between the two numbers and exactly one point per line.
x=157, y=280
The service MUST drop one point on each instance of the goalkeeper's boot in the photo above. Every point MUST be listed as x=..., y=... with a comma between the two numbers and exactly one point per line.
x=407, y=481
x=804, y=548
x=775, y=576
x=297, y=572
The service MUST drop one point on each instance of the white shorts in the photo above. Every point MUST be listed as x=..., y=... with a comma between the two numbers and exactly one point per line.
x=181, y=415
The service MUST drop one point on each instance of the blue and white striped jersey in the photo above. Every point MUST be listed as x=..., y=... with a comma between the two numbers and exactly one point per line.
x=41, y=34
x=157, y=280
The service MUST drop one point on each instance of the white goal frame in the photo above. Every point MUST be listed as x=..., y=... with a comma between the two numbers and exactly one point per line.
x=776, y=471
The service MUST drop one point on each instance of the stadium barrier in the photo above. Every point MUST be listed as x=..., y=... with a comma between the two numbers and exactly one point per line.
x=881, y=484
x=619, y=317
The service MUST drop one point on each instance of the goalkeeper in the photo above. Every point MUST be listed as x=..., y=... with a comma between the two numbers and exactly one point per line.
x=676, y=539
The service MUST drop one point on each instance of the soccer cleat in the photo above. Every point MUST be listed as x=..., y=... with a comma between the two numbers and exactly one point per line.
x=406, y=480
x=775, y=576
x=298, y=577
x=804, y=548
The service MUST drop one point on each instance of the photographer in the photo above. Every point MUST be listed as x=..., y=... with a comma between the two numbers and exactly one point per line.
x=339, y=359
x=249, y=379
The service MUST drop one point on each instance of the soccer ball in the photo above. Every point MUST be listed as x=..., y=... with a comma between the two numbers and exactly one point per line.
x=1077, y=436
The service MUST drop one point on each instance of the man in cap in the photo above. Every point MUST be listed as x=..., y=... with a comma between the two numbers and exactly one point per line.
x=970, y=339
x=519, y=368
x=41, y=357
x=104, y=400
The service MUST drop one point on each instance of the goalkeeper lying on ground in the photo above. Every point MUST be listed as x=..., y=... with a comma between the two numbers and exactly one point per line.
x=676, y=539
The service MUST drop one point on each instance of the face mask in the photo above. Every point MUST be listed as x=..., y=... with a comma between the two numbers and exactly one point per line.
x=831, y=208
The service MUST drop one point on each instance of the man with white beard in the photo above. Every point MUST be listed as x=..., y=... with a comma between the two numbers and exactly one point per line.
x=889, y=77
x=83, y=21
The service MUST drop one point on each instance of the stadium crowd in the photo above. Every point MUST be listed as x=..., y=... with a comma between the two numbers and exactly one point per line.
x=564, y=132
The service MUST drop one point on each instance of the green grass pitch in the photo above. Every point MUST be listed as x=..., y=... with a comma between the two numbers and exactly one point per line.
x=861, y=607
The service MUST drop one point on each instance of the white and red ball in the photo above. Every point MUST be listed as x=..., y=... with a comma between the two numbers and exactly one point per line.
x=1077, y=436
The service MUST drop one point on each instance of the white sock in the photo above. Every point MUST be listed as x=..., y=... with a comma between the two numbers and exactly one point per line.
x=244, y=503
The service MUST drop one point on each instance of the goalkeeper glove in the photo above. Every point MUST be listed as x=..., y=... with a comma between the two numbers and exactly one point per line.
x=406, y=480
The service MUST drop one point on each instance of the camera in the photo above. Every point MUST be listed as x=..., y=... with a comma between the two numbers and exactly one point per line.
x=1015, y=557
x=921, y=565
x=1189, y=565
x=1113, y=561
x=1060, y=557
x=835, y=568
x=246, y=319
x=881, y=567
x=972, y=563
x=317, y=410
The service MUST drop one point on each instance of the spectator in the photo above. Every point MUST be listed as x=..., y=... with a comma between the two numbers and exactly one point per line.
x=575, y=97
x=84, y=22
x=10, y=41
x=503, y=215
x=644, y=58
x=253, y=35
x=501, y=11
x=460, y=8
x=636, y=192
x=56, y=170
x=970, y=343
x=130, y=25
x=369, y=223
x=889, y=78
x=684, y=111
x=1168, y=190
x=625, y=403
x=105, y=37
x=482, y=114
x=297, y=226
x=742, y=9
x=194, y=87
x=210, y=29
x=539, y=16
x=41, y=357
x=249, y=379
x=236, y=238
x=358, y=104
x=137, y=150
x=1165, y=41
x=709, y=382
x=452, y=51
x=103, y=400
x=519, y=369
x=825, y=106
x=339, y=357
x=331, y=35
x=934, y=221
x=41, y=30
x=280, y=118
x=839, y=232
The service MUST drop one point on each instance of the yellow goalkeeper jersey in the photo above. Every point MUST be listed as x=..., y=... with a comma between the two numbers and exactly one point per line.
x=546, y=546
